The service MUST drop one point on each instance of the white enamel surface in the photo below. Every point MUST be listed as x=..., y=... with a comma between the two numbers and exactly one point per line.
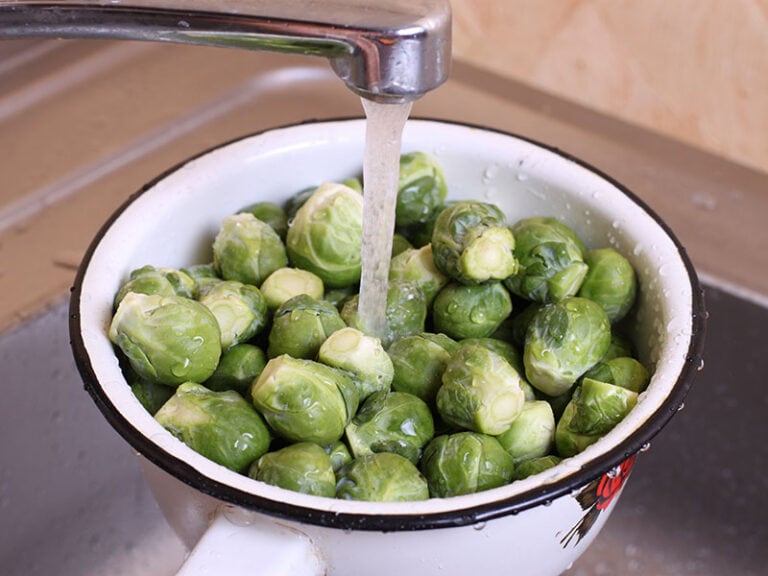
x=173, y=224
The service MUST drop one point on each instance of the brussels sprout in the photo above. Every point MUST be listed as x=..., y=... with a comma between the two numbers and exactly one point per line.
x=623, y=371
x=465, y=463
x=339, y=454
x=400, y=244
x=285, y=283
x=419, y=362
x=301, y=325
x=239, y=366
x=567, y=441
x=302, y=467
x=421, y=189
x=564, y=340
x=535, y=465
x=221, y=426
x=470, y=311
x=471, y=243
x=381, y=477
x=152, y=396
x=160, y=281
x=532, y=433
x=269, y=213
x=480, y=391
x=406, y=311
x=391, y=422
x=326, y=235
x=303, y=400
x=417, y=266
x=509, y=351
x=610, y=281
x=167, y=339
x=247, y=250
x=240, y=310
x=551, y=259
x=363, y=357
x=599, y=406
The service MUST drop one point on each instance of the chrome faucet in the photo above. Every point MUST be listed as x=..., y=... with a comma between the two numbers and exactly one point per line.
x=384, y=50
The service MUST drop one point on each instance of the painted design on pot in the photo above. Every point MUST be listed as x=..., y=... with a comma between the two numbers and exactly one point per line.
x=596, y=497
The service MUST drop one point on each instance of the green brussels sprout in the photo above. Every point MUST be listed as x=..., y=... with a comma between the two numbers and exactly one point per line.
x=480, y=391
x=564, y=340
x=400, y=244
x=303, y=400
x=362, y=357
x=551, y=259
x=285, y=283
x=166, y=339
x=535, y=465
x=239, y=366
x=301, y=325
x=470, y=311
x=339, y=454
x=247, y=250
x=417, y=266
x=623, y=371
x=532, y=433
x=326, y=236
x=302, y=467
x=472, y=244
x=160, y=281
x=240, y=309
x=465, y=463
x=421, y=189
x=391, y=422
x=381, y=477
x=567, y=441
x=511, y=354
x=152, y=396
x=406, y=311
x=610, y=281
x=599, y=406
x=419, y=361
x=269, y=213
x=221, y=426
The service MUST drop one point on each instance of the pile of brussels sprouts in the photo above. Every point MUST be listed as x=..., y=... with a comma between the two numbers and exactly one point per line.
x=503, y=352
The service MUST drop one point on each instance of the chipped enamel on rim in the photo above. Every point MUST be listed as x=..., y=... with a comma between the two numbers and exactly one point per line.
x=182, y=210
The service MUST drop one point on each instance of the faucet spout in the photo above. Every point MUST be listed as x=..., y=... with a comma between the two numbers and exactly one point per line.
x=389, y=51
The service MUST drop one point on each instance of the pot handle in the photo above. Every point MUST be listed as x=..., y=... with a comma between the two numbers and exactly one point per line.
x=255, y=546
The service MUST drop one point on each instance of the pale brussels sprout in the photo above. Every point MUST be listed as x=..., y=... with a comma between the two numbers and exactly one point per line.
x=465, y=463
x=167, y=339
x=610, y=281
x=551, y=258
x=326, y=235
x=238, y=367
x=305, y=401
x=419, y=361
x=301, y=325
x=285, y=283
x=471, y=243
x=240, y=310
x=480, y=391
x=247, y=249
x=511, y=354
x=623, y=371
x=599, y=406
x=302, y=467
x=406, y=312
x=391, y=422
x=417, y=266
x=564, y=340
x=532, y=433
x=381, y=477
x=362, y=357
x=470, y=311
x=535, y=466
x=162, y=281
x=221, y=426
x=339, y=454
x=421, y=189
x=269, y=213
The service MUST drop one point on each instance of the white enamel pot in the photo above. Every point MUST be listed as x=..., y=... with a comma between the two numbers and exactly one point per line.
x=537, y=526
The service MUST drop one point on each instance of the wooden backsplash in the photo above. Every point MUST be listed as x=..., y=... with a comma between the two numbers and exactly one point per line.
x=695, y=70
